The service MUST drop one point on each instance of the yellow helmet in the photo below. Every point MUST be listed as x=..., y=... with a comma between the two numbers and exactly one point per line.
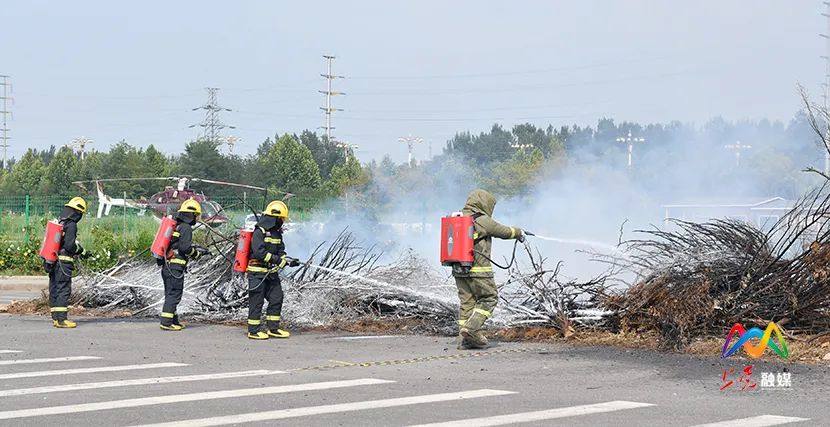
x=77, y=203
x=277, y=208
x=192, y=206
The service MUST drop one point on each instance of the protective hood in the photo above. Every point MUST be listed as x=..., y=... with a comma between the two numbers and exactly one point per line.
x=186, y=217
x=268, y=222
x=481, y=202
x=70, y=214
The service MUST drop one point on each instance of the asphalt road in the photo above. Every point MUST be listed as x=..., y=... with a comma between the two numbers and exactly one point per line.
x=122, y=373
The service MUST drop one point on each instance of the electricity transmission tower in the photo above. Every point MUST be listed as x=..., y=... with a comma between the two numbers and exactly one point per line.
x=630, y=141
x=212, y=125
x=80, y=144
x=329, y=92
x=5, y=112
x=826, y=84
x=410, y=142
x=737, y=147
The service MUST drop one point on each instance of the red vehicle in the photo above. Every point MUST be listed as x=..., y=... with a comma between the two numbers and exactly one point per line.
x=168, y=200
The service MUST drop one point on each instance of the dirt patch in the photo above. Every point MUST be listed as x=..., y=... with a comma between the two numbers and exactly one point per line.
x=40, y=306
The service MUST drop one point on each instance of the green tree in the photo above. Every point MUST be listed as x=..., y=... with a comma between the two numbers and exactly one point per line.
x=293, y=165
x=155, y=163
x=347, y=176
x=326, y=153
x=201, y=158
x=27, y=173
x=58, y=177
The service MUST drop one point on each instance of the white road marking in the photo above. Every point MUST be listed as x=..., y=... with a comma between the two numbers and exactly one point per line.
x=134, y=382
x=178, y=398
x=525, y=417
x=365, y=337
x=331, y=409
x=89, y=370
x=10, y=351
x=54, y=359
x=759, y=421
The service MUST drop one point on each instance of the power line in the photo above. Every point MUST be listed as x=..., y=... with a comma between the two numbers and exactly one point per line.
x=5, y=112
x=507, y=73
x=212, y=125
x=328, y=109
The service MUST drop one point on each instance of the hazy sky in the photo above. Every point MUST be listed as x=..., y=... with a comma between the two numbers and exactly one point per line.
x=111, y=70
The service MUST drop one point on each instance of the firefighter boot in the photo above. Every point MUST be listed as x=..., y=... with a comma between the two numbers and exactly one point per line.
x=258, y=335
x=471, y=330
x=253, y=330
x=169, y=323
x=177, y=322
x=274, y=331
x=463, y=343
x=64, y=324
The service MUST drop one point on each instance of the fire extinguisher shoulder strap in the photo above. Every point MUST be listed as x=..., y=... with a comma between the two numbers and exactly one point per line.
x=476, y=236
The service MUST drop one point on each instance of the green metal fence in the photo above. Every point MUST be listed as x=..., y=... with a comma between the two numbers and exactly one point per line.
x=22, y=216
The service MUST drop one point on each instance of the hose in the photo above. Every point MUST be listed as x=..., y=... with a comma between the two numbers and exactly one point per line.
x=512, y=258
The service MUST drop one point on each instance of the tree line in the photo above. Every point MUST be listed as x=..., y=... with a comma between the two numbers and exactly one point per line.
x=508, y=161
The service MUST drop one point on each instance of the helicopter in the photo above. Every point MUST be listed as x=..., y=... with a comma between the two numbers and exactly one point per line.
x=167, y=201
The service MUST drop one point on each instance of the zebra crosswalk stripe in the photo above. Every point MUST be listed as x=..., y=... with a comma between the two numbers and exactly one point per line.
x=549, y=414
x=759, y=421
x=178, y=398
x=135, y=382
x=331, y=409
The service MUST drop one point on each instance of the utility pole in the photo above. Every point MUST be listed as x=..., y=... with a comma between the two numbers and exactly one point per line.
x=826, y=87
x=737, y=147
x=212, y=125
x=5, y=112
x=231, y=141
x=410, y=142
x=329, y=92
x=80, y=143
x=346, y=148
x=630, y=141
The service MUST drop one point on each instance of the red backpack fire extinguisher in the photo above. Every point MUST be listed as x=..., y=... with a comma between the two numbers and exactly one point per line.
x=457, y=240
x=243, y=251
x=163, y=237
x=51, y=242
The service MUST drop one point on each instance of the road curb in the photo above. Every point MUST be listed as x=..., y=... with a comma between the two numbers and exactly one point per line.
x=24, y=283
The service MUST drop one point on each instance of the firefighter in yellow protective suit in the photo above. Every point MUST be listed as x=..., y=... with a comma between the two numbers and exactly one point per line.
x=476, y=285
x=267, y=259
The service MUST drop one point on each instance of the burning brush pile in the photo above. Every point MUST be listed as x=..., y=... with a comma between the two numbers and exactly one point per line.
x=698, y=279
x=344, y=283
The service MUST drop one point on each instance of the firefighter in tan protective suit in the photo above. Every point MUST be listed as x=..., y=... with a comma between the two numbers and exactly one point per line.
x=476, y=285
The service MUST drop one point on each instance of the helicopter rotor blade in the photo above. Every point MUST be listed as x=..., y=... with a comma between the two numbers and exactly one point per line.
x=210, y=181
x=124, y=179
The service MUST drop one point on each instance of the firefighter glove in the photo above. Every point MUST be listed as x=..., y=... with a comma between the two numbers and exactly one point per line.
x=293, y=262
x=521, y=236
